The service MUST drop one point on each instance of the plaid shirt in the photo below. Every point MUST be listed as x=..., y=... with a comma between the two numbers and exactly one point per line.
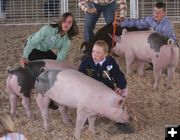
x=83, y=4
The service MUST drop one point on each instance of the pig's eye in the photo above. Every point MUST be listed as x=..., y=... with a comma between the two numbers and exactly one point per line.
x=37, y=80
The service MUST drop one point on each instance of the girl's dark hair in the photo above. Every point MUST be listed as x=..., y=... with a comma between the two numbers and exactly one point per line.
x=74, y=28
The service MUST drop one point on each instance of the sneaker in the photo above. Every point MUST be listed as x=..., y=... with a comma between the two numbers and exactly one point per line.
x=125, y=128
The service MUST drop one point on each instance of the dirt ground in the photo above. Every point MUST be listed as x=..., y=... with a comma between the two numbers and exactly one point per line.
x=153, y=109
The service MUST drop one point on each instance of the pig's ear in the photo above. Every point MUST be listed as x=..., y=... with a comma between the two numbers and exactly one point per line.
x=124, y=31
x=170, y=41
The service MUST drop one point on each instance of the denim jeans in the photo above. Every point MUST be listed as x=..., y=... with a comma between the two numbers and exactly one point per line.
x=91, y=19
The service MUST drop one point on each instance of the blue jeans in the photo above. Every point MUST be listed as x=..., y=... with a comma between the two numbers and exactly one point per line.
x=91, y=19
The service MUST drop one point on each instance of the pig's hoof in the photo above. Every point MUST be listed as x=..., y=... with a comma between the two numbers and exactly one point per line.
x=125, y=128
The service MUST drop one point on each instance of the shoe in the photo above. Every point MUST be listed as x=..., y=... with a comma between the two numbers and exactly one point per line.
x=53, y=105
x=125, y=128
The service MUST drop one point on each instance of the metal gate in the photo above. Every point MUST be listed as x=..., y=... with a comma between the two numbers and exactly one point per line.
x=46, y=11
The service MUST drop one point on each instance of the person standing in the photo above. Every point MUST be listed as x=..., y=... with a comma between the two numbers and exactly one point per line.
x=93, y=10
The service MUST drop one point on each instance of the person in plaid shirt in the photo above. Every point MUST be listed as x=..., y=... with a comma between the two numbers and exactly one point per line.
x=94, y=8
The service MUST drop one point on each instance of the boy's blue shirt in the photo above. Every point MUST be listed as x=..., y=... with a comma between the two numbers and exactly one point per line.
x=164, y=27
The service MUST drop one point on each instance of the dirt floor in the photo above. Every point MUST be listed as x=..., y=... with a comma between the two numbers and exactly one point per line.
x=153, y=109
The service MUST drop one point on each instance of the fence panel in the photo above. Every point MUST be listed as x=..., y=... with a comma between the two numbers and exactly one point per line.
x=46, y=11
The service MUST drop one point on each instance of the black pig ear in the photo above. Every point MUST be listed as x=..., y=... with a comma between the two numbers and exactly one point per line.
x=42, y=69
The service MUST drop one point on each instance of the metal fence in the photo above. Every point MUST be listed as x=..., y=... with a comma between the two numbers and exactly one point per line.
x=46, y=11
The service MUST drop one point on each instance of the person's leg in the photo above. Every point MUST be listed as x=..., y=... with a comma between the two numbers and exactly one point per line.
x=36, y=55
x=109, y=12
x=90, y=22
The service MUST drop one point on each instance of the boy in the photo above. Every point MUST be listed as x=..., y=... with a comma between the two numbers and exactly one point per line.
x=104, y=68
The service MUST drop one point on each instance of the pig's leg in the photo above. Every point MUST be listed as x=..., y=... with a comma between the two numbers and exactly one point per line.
x=63, y=110
x=157, y=77
x=140, y=67
x=92, y=120
x=26, y=101
x=129, y=63
x=43, y=103
x=80, y=120
x=171, y=71
x=13, y=102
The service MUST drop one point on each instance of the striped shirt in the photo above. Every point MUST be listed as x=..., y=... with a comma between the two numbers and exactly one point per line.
x=83, y=4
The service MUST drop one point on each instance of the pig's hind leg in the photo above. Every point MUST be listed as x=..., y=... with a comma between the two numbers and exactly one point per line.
x=171, y=72
x=13, y=103
x=157, y=78
x=26, y=101
x=140, y=67
x=63, y=111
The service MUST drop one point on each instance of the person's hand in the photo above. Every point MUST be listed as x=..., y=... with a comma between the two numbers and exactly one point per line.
x=23, y=61
x=92, y=10
x=118, y=91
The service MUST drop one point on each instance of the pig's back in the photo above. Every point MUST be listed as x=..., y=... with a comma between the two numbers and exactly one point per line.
x=138, y=43
x=77, y=88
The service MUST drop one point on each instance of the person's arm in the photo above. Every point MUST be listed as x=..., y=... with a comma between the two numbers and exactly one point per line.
x=83, y=66
x=123, y=9
x=118, y=76
x=33, y=40
x=62, y=52
x=168, y=31
x=83, y=5
x=139, y=23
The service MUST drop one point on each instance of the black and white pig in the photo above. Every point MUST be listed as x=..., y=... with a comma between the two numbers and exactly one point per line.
x=148, y=46
x=77, y=90
x=20, y=81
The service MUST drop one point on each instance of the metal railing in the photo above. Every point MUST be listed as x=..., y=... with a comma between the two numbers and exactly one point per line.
x=46, y=11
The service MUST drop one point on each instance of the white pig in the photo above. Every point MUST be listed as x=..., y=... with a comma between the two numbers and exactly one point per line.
x=148, y=46
x=75, y=89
